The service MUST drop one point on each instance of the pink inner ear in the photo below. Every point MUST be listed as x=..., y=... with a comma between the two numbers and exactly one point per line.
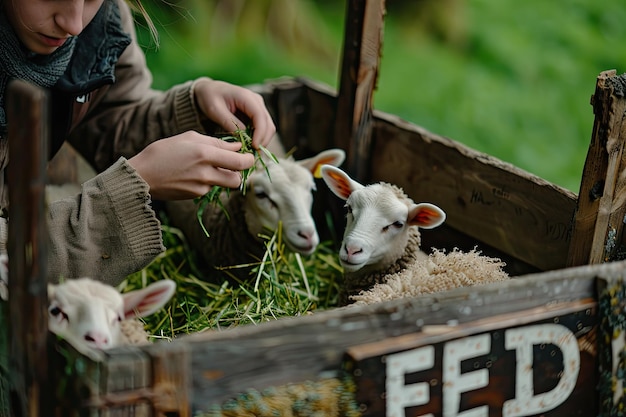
x=425, y=217
x=341, y=185
x=143, y=302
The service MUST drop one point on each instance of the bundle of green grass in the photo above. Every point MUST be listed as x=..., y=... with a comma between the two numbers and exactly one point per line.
x=281, y=284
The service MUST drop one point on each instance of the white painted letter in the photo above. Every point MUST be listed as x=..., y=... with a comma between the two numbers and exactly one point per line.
x=399, y=395
x=455, y=383
x=522, y=340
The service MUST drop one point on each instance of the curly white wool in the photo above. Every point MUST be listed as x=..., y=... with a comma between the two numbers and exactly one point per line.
x=440, y=272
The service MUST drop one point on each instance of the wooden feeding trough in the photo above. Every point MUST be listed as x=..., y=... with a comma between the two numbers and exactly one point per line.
x=546, y=343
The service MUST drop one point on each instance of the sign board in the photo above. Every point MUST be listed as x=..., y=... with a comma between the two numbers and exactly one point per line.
x=538, y=362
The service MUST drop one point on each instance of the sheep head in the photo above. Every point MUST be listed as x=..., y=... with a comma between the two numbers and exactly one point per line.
x=286, y=195
x=378, y=221
x=87, y=313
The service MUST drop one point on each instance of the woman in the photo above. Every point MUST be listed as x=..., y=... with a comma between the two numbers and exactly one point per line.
x=147, y=144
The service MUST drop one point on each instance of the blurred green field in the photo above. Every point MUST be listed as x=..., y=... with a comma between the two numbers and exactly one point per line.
x=511, y=79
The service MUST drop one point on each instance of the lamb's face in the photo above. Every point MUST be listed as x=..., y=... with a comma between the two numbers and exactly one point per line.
x=86, y=313
x=378, y=221
x=376, y=228
x=287, y=196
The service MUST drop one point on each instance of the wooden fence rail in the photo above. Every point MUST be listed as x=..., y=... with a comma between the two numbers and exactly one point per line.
x=27, y=115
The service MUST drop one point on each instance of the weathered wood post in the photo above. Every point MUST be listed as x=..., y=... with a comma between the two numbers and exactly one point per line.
x=351, y=123
x=27, y=115
x=357, y=82
x=599, y=217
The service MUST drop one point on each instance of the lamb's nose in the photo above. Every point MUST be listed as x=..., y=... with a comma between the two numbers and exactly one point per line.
x=97, y=339
x=353, y=250
x=306, y=234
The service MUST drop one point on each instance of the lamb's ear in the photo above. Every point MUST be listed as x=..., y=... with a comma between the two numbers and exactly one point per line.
x=314, y=164
x=143, y=302
x=426, y=215
x=339, y=182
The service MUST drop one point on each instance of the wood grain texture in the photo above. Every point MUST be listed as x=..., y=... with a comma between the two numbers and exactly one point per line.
x=171, y=380
x=611, y=345
x=370, y=363
x=497, y=203
x=27, y=116
x=359, y=73
x=121, y=386
x=599, y=216
x=152, y=381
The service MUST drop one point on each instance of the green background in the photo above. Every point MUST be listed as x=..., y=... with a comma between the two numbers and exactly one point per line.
x=512, y=79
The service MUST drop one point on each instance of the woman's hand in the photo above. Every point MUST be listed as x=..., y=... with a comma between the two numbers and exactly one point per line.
x=223, y=103
x=187, y=165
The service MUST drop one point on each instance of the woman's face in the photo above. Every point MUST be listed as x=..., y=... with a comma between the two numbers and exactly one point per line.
x=44, y=25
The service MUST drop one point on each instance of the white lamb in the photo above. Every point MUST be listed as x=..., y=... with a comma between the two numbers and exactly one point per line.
x=286, y=196
x=380, y=252
x=93, y=316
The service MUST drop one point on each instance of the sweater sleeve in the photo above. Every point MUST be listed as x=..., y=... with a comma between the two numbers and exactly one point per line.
x=107, y=232
x=125, y=117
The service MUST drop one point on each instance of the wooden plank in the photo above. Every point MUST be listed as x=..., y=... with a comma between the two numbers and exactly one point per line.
x=119, y=386
x=495, y=202
x=303, y=111
x=125, y=387
x=541, y=360
x=171, y=367
x=226, y=363
x=599, y=217
x=27, y=115
x=284, y=100
x=611, y=346
x=357, y=82
x=138, y=381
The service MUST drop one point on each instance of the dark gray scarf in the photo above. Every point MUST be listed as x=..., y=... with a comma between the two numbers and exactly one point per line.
x=19, y=63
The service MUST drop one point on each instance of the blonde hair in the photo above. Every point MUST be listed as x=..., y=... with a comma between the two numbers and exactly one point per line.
x=137, y=7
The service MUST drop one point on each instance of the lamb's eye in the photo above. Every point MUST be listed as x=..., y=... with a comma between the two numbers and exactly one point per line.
x=348, y=209
x=263, y=195
x=116, y=320
x=397, y=225
x=56, y=311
